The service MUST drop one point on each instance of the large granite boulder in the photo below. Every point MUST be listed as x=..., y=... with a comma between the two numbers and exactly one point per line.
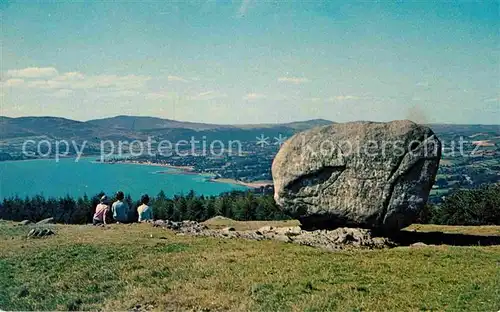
x=364, y=174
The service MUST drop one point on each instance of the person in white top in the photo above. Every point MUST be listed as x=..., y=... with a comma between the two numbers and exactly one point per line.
x=144, y=211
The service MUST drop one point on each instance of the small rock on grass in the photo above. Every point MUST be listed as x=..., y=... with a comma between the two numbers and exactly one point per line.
x=419, y=244
x=46, y=221
x=40, y=233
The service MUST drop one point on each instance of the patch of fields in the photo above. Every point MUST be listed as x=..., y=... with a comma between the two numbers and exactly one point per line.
x=121, y=266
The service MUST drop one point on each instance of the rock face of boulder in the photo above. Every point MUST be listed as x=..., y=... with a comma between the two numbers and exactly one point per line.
x=364, y=174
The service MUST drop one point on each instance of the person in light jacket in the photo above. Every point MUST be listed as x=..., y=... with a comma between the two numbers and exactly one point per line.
x=120, y=208
x=144, y=211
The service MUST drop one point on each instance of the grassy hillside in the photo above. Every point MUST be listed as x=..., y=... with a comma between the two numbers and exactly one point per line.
x=123, y=266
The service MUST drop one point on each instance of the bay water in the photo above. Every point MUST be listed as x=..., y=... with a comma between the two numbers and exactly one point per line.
x=67, y=177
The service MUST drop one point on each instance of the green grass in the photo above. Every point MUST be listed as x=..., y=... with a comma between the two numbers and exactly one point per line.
x=115, y=268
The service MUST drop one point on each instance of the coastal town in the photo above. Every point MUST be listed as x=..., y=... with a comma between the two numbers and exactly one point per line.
x=469, y=159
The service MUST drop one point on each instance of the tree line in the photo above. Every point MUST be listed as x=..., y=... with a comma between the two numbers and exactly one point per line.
x=238, y=205
x=480, y=206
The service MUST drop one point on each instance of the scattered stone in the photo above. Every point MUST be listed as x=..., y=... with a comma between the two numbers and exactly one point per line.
x=219, y=218
x=359, y=174
x=327, y=239
x=142, y=307
x=40, y=232
x=46, y=221
x=281, y=238
x=159, y=223
x=289, y=231
x=343, y=237
x=265, y=229
x=25, y=222
x=419, y=244
x=182, y=226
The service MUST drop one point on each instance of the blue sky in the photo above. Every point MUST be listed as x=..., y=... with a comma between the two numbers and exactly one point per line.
x=253, y=61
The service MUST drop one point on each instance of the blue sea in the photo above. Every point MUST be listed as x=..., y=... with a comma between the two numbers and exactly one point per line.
x=67, y=177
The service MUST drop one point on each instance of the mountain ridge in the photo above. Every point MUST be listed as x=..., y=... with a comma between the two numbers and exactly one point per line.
x=117, y=128
x=127, y=122
x=139, y=127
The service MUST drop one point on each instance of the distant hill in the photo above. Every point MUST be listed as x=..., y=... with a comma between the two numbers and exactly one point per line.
x=138, y=127
x=13, y=131
x=140, y=123
x=58, y=128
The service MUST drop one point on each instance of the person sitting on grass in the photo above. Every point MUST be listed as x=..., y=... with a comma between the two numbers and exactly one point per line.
x=144, y=211
x=101, y=211
x=120, y=208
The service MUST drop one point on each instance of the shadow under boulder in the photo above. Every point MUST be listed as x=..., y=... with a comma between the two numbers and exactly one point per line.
x=407, y=238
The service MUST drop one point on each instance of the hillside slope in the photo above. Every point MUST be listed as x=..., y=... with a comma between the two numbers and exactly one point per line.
x=59, y=128
x=138, y=123
x=141, y=268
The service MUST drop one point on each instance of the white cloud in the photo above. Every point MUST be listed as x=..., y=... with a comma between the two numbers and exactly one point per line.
x=62, y=93
x=208, y=95
x=71, y=76
x=46, y=84
x=49, y=78
x=176, y=78
x=294, y=80
x=253, y=96
x=161, y=95
x=111, y=81
x=491, y=100
x=14, y=82
x=33, y=72
x=121, y=93
x=75, y=80
x=423, y=84
x=344, y=98
x=315, y=99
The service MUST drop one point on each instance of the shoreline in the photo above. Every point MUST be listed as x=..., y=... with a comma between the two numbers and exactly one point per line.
x=191, y=170
x=255, y=185
x=186, y=169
